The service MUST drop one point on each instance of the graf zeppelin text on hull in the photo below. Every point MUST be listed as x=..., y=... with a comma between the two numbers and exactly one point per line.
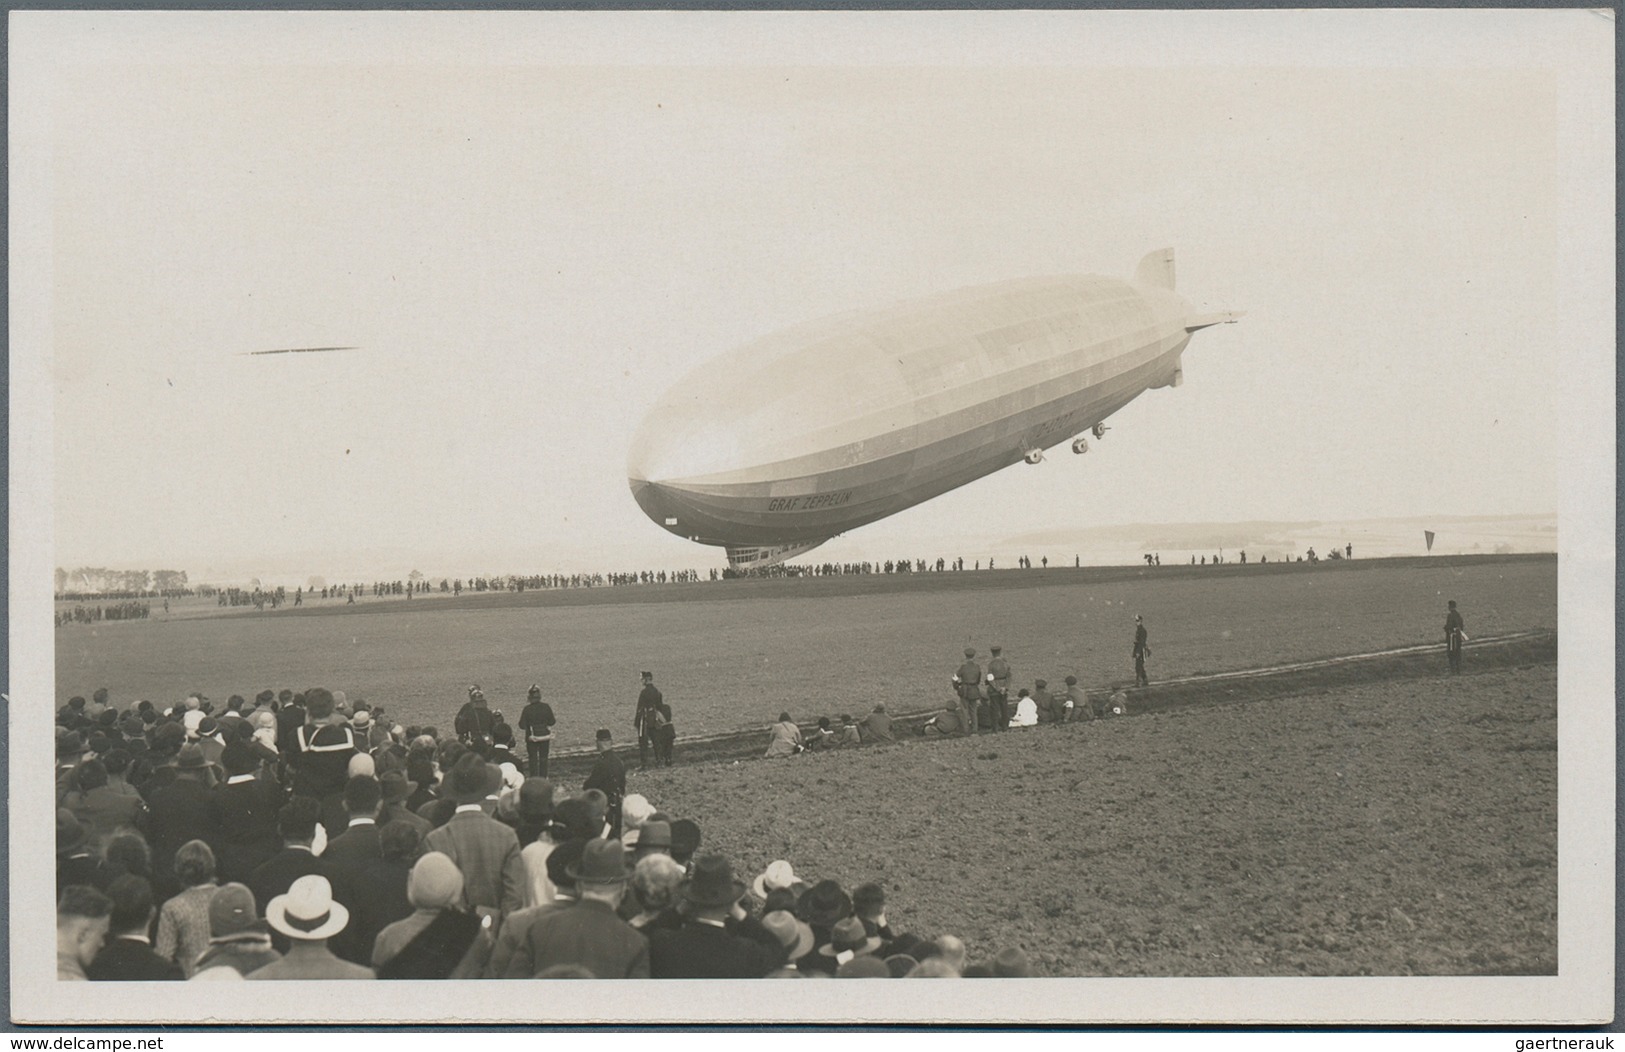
x=779, y=445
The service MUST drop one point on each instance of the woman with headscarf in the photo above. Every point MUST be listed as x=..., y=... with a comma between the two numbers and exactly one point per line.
x=438, y=940
x=786, y=740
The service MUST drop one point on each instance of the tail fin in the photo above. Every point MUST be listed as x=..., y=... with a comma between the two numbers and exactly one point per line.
x=1156, y=269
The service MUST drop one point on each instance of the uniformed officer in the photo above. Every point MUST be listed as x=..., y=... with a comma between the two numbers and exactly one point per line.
x=998, y=690
x=644, y=718
x=475, y=722
x=968, y=685
x=536, y=724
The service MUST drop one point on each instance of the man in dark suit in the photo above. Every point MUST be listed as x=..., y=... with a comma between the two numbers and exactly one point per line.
x=181, y=811
x=358, y=844
x=536, y=724
x=608, y=776
x=589, y=934
x=297, y=822
x=245, y=815
x=705, y=947
x=128, y=955
x=649, y=699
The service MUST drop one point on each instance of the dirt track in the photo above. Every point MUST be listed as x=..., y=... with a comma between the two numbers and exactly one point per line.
x=1381, y=828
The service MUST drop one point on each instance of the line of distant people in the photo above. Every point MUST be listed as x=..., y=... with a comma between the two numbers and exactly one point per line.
x=296, y=841
x=89, y=615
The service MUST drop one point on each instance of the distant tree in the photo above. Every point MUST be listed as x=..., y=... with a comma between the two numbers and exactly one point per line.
x=169, y=580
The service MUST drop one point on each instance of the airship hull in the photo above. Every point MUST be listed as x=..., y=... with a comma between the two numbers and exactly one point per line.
x=862, y=416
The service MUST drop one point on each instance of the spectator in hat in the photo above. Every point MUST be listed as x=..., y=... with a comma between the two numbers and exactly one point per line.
x=395, y=791
x=949, y=723
x=654, y=882
x=239, y=940
x=126, y=853
x=438, y=939
x=297, y=822
x=869, y=906
x=876, y=727
x=246, y=807
x=82, y=916
x=75, y=864
x=359, y=841
x=608, y=776
x=183, y=921
x=653, y=839
x=793, y=934
x=685, y=840
x=704, y=947
x=536, y=723
x=117, y=762
x=536, y=841
x=320, y=757
x=589, y=933
x=100, y=809
x=181, y=811
x=864, y=967
x=308, y=916
x=511, y=957
x=785, y=739
x=485, y=850
x=822, y=906
x=847, y=733
x=127, y=954
x=780, y=875
x=1050, y=708
x=210, y=739
x=70, y=749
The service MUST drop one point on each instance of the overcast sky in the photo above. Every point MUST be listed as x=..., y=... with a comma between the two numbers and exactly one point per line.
x=530, y=225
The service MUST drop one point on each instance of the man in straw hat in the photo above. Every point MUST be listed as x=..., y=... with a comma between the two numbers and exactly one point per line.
x=308, y=916
x=705, y=947
x=484, y=849
x=589, y=934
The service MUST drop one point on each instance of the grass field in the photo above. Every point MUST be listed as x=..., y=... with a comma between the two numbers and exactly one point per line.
x=733, y=654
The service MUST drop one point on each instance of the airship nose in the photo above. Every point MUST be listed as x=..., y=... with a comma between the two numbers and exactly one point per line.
x=685, y=438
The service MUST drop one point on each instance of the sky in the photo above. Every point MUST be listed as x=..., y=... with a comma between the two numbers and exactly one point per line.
x=529, y=226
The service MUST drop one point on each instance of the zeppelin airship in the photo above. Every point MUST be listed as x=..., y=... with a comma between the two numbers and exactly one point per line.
x=775, y=447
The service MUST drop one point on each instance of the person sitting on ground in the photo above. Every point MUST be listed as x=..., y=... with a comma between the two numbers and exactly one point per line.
x=308, y=916
x=823, y=739
x=1026, y=710
x=82, y=915
x=239, y=941
x=876, y=727
x=949, y=723
x=848, y=732
x=786, y=739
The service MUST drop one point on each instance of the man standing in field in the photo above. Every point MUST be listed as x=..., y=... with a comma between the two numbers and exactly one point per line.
x=536, y=724
x=608, y=776
x=1141, y=651
x=998, y=690
x=968, y=685
x=1454, y=636
x=643, y=719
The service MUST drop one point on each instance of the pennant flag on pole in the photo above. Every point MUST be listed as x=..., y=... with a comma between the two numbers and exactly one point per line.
x=1429, y=535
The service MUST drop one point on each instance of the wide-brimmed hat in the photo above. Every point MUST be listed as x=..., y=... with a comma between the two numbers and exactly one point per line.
x=652, y=835
x=231, y=911
x=779, y=875
x=602, y=862
x=307, y=911
x=900, y=964
x=824, y=903
x=191, y=758
x=713, y=883
x=395, y=787
x=471, y=780
x=796, y=936
x=636, y=809
x=849, y=936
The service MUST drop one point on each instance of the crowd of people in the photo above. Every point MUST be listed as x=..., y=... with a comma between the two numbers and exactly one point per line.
x=298, y=836
x=81, y=614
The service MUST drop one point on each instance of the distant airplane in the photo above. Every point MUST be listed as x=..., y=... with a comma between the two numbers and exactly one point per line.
x=777, y=446
x=302, y=350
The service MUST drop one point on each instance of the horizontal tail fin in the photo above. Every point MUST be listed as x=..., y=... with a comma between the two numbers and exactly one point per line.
x=1202, y=321
x=1156, y=269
